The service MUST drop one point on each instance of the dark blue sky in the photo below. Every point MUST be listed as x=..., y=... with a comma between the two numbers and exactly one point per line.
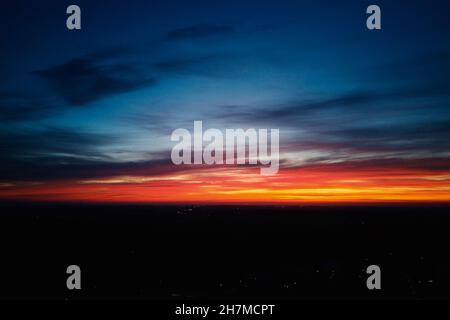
x=109, y=95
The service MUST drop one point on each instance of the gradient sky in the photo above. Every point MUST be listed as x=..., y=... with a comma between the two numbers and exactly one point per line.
x=364, y=116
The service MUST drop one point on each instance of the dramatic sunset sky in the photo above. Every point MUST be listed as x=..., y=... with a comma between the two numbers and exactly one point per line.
x=364, y=116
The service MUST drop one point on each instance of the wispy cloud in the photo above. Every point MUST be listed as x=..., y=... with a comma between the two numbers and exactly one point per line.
x=17, y=106
x=197, y=31
x=86, y=79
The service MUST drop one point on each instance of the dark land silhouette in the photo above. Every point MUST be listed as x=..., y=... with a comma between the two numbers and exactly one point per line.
x=224, y=252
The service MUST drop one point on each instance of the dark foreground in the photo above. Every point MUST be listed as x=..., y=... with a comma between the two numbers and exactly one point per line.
x=223, y=252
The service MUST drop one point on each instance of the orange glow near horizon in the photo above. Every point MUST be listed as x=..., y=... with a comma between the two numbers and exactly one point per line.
x=314, y=184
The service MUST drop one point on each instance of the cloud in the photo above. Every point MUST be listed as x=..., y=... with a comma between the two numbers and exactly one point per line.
x=430, y=164
x=49, y=169
x=429, y=136
x=197, y=31
x=63, y=153
x=184, y=64
x=86, y=79
x=16, y=106
x=355, y=123
x=76, y=82
x=25, y=152
x=211, y=65
x=23, y=143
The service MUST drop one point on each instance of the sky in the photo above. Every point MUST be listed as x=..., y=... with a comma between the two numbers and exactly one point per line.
x=86, y=115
